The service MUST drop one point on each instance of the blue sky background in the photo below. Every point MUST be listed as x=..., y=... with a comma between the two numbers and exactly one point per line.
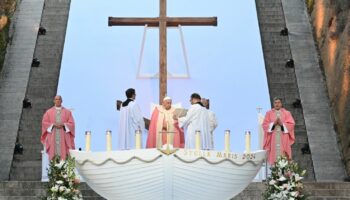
x=225, y=63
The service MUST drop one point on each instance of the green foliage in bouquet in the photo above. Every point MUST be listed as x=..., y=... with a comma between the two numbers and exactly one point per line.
x=62, y=184
x=285, y=182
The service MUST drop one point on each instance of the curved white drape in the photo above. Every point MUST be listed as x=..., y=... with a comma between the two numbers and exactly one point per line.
x=151, y=174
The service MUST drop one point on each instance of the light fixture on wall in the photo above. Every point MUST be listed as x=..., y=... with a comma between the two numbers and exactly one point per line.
x=42, y=31
x=305, y=149
x=27, y=103
x=35, y=62
x=284, y=31
x=18, y=148
x=297, y=103
x=290, y=63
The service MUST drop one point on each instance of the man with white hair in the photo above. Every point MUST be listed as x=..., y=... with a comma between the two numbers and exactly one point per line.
x=162, y=123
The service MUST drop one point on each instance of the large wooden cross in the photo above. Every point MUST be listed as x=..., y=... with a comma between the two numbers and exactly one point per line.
x=163, y=22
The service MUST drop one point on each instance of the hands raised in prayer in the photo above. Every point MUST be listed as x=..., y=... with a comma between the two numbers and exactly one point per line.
x=277, y=122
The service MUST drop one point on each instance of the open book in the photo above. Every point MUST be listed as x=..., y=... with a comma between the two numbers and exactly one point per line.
x=180, y=112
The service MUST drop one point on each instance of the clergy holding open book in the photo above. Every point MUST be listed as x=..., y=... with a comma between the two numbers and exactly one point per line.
x=130, y=121
x=278, y=128
x=162, y=123
x=196, y=119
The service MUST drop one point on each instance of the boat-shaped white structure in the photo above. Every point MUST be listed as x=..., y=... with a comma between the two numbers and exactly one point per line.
x=152, y=174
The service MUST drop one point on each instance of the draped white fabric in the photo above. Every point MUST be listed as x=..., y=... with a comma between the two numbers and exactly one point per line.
x=130, y=120
x=197, y=118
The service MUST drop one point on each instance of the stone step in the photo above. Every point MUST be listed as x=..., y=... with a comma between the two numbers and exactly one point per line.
x=38, y=193
x=30, y=141
x=26, y=170
x=271, y=8
x=328, y=198
x=329, y=186
x=272, y=29
x=36, y=198
x=278, y=43
x=27, y=156
x=26, y=174
x=22, y=192
x=30, y=150
x=326, y=191
x=30, y=163
x=272, y=14
x=35, y=189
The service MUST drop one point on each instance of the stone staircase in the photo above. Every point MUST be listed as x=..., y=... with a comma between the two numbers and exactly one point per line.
x=42, y=87
x=34, y=190
x=30, y=190
x=315, y=191
x=282, y=81
x=325, y=191
x=324, y=144
x=15, y=75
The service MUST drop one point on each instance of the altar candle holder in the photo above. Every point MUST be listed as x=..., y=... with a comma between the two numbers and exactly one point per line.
x=198, y=140
x=247, y=141
x=109, y=140
x=227, y=141
x=138, y=139
x=87, y=140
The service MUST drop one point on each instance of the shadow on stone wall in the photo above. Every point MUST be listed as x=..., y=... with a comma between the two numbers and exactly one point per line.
x=330, y=20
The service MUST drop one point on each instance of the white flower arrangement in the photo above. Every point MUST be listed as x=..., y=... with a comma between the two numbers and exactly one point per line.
x=285, y=182
x=63, y=184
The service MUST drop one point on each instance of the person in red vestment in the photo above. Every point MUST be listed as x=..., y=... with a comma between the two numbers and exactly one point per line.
x=278, y=128
x=57, y=132
x=162, y=122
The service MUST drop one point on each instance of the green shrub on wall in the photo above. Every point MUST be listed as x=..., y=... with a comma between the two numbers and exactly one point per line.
x=3, y=43
x=309, y=5
x=7, y=8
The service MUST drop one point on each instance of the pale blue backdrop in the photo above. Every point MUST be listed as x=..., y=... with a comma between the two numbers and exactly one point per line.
x=225, y=64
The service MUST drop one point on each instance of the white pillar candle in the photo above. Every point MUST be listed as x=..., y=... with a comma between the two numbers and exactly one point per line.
x=159, y=141
x=138, y=139
x=247, y=141
x=168, y=139
x=167, y=135
x=227, y=141
x=109, y=140
x=87, y=140
x=198, y=140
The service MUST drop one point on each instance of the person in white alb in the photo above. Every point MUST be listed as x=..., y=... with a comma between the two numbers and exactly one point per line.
x=196, y=119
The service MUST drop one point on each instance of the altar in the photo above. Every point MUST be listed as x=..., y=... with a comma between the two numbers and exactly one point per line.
x=176, y=174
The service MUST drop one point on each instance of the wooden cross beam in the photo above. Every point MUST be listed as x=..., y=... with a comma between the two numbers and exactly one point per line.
x=163, y=22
